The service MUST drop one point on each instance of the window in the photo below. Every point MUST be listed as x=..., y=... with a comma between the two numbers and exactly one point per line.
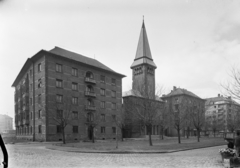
x=102, y=129
x=58, y=67
x=31, y=72
x=75, y=129
x=102, y=92
x=59, y=130
x=31, y=87
x=74, y=72
x=102, y=104
x=39, y=99
x=176, y=100
x=113, y=93
x=39, y=129
x=114, y=106
x=102, y=117
x=31, y=101
x=39, y=113
x=59, y=114
x=39, y=83
x=31, y=115
x=74, y=86
x=114, y=130
x=59, y=98
x=114, y=117
x=39, y=67
x=74, y=100
x=176, y=107
x=102, y=79
x=113, y=81
x=75, y=115
x=59, y=83
x=89, y=117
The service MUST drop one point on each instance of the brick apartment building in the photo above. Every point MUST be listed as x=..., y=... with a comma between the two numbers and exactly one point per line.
x=60, y=80
x=178, y=101
x=222, y=114
x=6, y=123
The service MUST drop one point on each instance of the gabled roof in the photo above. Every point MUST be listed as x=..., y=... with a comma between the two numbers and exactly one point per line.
x=143, y=54
x=80, y=58
x=180, y=91
x=219, y=99
x=131, y=93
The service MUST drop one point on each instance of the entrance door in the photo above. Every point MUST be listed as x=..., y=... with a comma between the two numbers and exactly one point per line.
x=90, y=132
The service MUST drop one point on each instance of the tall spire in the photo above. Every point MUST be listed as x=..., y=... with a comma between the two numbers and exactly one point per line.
x=143, y=54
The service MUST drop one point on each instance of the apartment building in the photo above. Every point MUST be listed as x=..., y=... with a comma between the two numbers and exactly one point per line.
x=182, y=103
x=6, y=123
x=61, y=82
x=222, y=114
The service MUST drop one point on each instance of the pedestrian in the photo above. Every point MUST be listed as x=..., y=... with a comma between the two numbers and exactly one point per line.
x=237, y=143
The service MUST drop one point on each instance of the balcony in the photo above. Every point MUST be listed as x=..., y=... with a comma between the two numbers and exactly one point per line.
x=91, y=94
x=90, y=80
x=90, y=108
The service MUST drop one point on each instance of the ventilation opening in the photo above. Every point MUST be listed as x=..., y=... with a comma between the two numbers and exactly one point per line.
x=59, y=139
x=103, y=138
x=75, y=139
x=114, y=138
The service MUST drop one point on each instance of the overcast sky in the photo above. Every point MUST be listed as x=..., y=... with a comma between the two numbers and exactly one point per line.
x=194, y=43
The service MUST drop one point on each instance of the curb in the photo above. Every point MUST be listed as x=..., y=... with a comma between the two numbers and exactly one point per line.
x=130, y=152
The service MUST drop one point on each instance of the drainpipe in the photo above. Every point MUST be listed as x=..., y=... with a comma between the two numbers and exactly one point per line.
x=33, y=100
x=5, y=154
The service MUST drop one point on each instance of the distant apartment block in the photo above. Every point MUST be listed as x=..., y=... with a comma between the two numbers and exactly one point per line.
x=221, y=113
x=178, y=101
x=6, y=123
x=50, y=80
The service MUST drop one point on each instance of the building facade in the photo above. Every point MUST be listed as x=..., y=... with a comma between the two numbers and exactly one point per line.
x=6, y=123
x=222, y=114
x=61, y=82
x=182, y=104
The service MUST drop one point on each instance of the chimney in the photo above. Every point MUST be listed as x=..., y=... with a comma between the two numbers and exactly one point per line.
x=218, y=95
x=174, y=87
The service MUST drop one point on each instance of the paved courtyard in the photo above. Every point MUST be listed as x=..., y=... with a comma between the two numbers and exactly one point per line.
x=35, y=155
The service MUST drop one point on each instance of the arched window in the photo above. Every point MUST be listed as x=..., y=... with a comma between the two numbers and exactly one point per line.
x=89, y=75
x=90, y=89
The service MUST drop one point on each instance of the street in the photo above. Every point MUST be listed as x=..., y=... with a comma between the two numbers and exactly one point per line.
x=36, y=156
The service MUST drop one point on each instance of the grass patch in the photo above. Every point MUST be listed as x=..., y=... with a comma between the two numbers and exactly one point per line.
x=143, y=145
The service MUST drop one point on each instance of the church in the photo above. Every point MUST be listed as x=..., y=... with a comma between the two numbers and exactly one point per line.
x=143, y=91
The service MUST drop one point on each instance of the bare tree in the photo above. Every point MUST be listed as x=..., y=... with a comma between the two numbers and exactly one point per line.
x=233, y=120
x=232, y=87
x=62, y=114
x=164, y=120
x=144, y=108
x=198, y=118
x=121, y=121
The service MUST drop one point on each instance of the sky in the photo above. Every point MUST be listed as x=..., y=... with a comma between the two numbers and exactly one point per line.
x=194, y=43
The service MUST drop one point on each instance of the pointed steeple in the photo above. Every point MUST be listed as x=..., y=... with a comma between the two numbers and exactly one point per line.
x=143, y=54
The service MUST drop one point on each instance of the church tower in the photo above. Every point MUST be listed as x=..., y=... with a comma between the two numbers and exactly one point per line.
x=143, y=67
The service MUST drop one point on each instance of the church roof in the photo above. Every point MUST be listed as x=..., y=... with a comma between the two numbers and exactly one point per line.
x=143, y=54
x=180, y=91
